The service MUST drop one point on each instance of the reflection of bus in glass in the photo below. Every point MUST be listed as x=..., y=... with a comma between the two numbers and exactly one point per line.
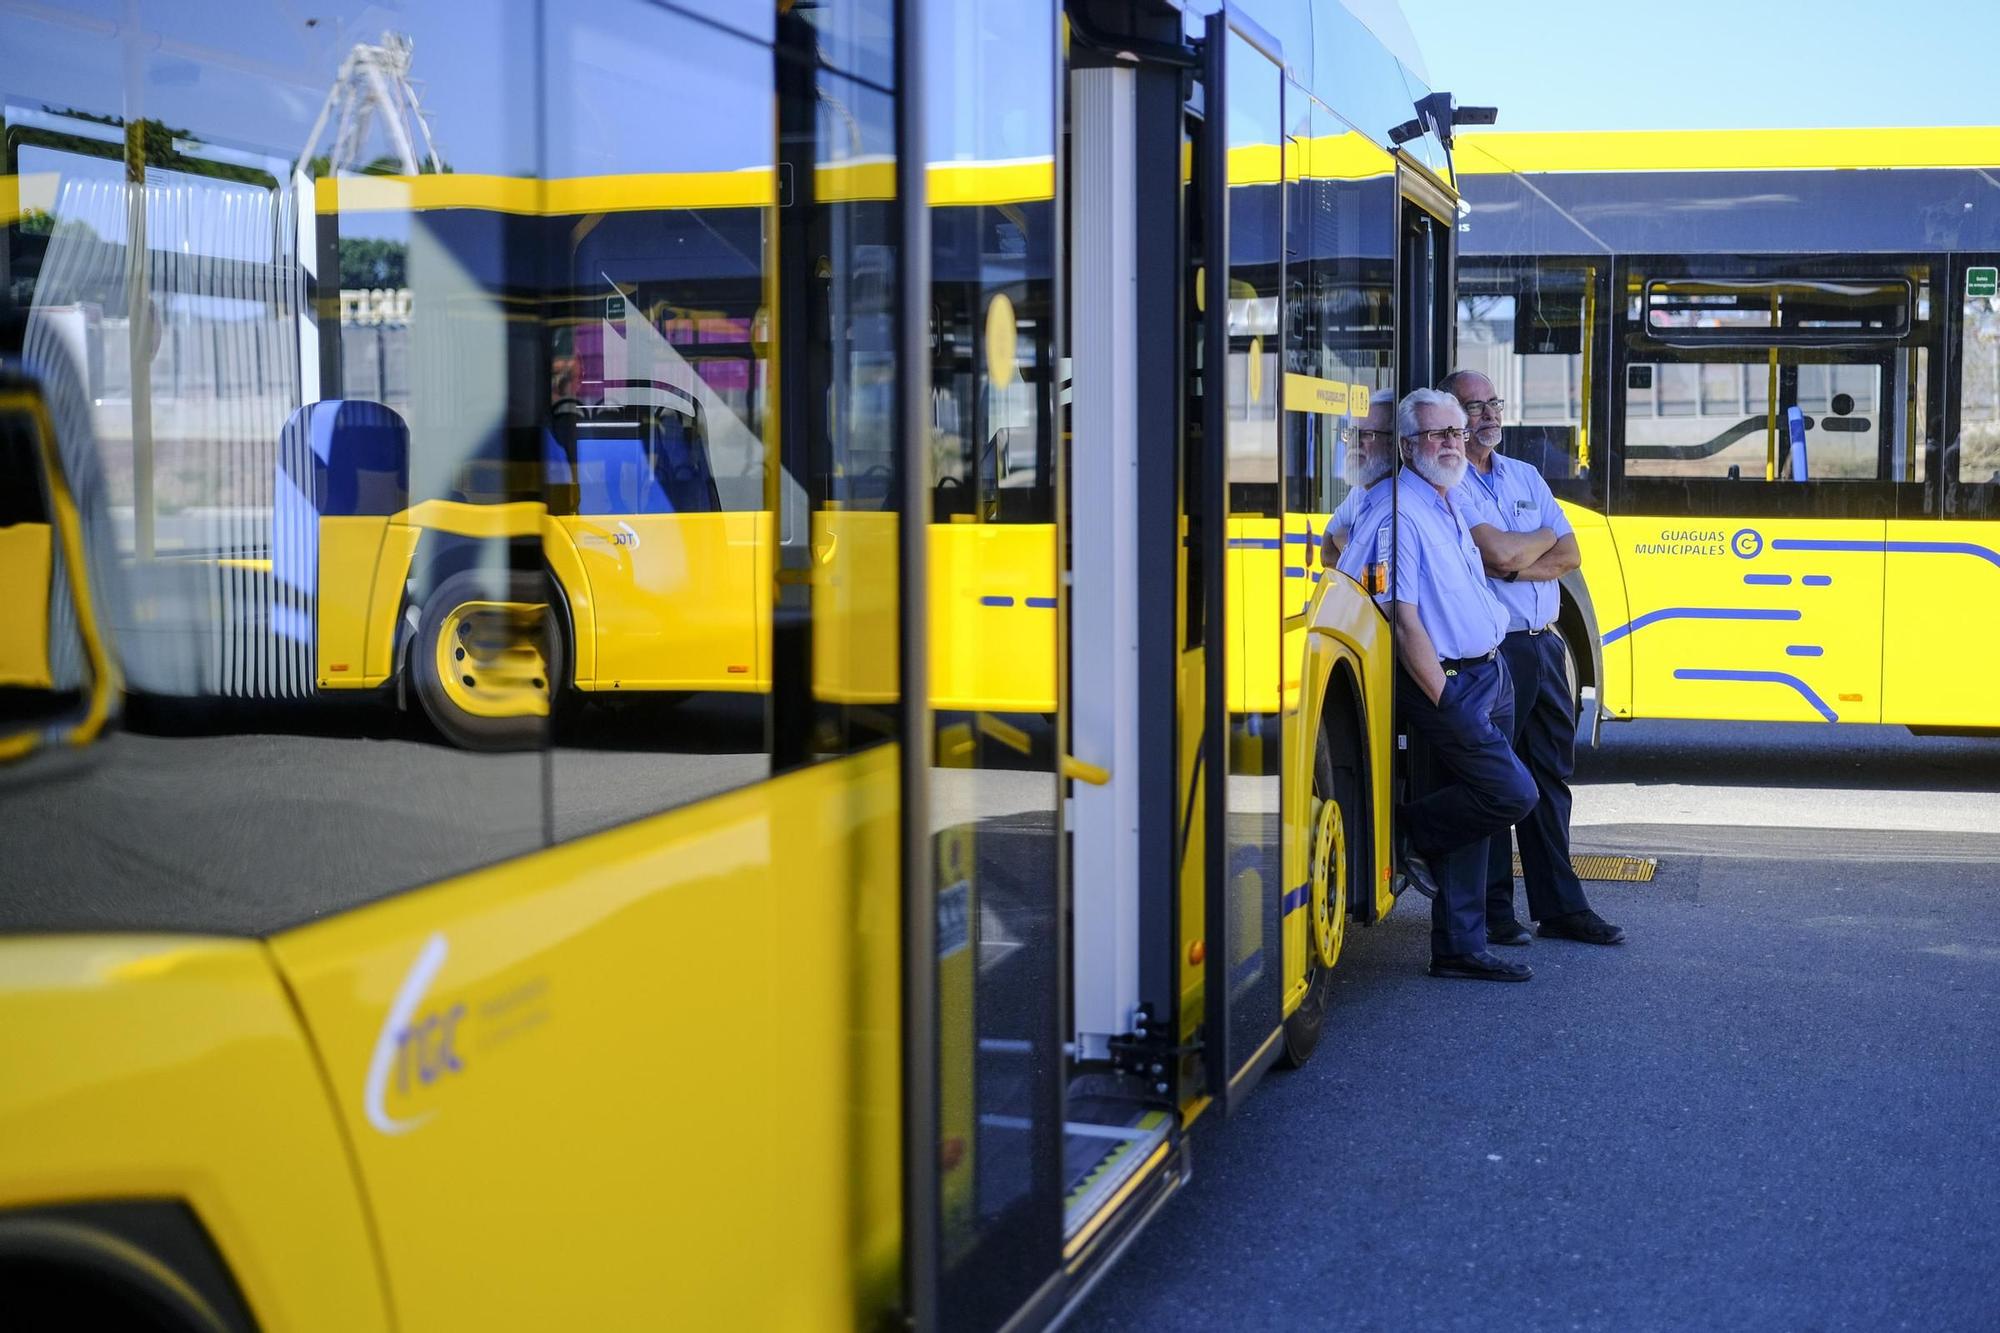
x=926, y=1000
x=1764, y=382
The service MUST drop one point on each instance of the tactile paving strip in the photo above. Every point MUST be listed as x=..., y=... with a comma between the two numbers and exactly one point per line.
x=1594, y=866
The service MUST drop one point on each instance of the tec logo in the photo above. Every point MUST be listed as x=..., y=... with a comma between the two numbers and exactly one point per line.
x=1747, y=542
x=413, y=1050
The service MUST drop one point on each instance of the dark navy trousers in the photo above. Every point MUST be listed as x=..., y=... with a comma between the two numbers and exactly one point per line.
x=1466, y=784
x=1544, y=739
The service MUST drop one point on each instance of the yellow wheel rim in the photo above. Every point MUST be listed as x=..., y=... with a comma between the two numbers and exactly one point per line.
x=1329, y=883
x=492, y=659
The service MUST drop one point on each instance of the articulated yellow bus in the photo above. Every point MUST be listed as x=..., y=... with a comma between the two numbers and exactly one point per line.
x=1760, y=368
x=916, y=422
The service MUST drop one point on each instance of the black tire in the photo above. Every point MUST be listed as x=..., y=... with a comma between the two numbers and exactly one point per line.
x=1336, y=777
x=523, y=730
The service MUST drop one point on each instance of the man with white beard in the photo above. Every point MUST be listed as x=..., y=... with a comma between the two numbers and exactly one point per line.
x=1499, y=496
x=1452, y=694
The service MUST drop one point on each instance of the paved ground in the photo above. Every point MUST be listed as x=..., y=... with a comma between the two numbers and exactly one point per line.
x=1777, y=1107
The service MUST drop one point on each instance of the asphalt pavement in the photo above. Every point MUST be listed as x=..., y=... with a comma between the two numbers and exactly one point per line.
x=1778, y=1106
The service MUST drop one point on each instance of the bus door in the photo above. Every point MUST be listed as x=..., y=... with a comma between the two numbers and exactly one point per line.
x=1762, y=449
x=673, y=560
x=1942, y=561
x=1244, y=986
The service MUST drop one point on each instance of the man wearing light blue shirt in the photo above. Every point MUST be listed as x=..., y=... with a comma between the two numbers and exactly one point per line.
x=1452, y=693
x=1501, y=498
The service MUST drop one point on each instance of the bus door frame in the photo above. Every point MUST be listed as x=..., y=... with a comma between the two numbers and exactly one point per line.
x=1418, y=194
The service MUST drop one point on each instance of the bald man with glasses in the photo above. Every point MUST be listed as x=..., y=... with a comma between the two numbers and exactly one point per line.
x=1504, y=498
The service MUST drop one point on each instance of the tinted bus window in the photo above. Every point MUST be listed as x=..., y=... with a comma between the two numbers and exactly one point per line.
x=658, y=319
x=295, y=402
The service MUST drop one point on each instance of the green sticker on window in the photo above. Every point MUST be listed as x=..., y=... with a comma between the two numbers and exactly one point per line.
x=1982, y=282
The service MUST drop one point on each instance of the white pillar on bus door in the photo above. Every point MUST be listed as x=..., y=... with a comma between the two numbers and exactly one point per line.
x=1103, y=498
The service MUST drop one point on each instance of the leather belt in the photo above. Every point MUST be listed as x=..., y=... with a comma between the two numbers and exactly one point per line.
x=1455, y=664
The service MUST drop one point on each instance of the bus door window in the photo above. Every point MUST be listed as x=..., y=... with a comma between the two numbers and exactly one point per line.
x=1254, y=578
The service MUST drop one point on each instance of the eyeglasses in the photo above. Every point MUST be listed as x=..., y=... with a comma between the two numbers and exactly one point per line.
x=1440, y=436
x=1367, y=436
x=1492, y=406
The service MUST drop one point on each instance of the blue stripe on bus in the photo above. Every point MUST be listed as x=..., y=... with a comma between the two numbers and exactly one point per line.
x=1696, y=613
x=1817, y=580
x=1256, y=543
x=1045, y=603
x=1985, y=553
x=1774, y=580
x=1297, y=898
x=1804, y=650
x=1294, y=572
x=1760, y=677
x=996, y=601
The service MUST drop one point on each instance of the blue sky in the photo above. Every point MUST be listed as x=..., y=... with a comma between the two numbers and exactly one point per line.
x=1714, y=64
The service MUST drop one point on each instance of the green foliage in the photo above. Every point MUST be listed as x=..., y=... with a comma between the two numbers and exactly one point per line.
x=368, y=262
x=157, y=144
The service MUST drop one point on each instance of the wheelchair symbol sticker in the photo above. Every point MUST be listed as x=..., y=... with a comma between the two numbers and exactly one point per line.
x=1747, y=542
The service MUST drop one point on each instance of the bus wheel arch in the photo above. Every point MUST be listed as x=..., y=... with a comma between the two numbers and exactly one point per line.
x=1576, y=621
x=1337, y=832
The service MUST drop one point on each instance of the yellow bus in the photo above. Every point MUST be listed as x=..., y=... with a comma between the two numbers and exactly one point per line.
x=1760, y=367
x=913, y=961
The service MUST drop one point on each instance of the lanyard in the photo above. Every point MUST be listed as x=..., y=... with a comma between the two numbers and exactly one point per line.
x=1486, y=482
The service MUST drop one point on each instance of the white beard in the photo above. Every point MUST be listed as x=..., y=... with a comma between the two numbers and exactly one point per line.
x=1446, y=475
x=1369, y=471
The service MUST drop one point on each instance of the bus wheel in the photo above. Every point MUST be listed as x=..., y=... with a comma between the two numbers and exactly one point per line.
x=485, y=656
x=1336, y=804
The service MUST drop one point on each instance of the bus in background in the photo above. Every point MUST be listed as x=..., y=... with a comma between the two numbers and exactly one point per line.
x=583, y=1018
x=1760, y=368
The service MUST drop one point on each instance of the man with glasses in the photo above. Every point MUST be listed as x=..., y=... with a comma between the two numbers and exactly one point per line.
x=1452, y=693
x=1502, y=499
x=1368, y=465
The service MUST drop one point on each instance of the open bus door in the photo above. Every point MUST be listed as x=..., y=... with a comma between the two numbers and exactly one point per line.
x=1242, y=330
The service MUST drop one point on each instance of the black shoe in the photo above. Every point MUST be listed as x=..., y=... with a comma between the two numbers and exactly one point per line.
x=1586, y=927
x=1481, y=966
x=1510, y=933
x=1417, y=873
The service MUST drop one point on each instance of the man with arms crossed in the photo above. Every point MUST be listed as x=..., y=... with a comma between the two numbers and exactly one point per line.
x=1452, y=693
x=1501, y=498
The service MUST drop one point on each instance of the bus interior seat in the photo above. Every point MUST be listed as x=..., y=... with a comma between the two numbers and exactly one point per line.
x=359, y=453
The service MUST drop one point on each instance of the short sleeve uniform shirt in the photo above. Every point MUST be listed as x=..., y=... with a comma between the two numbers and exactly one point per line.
x=1425, y=543
x=1514, y=498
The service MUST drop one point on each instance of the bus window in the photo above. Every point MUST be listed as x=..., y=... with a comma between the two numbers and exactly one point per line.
x=1715, y=419
x=1975, y=457
x=285, y=524
x=1526, y=324
x=656, y=408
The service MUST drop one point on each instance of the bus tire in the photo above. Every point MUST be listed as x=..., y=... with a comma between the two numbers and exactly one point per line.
x=1331, y=875
x=502, y=676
